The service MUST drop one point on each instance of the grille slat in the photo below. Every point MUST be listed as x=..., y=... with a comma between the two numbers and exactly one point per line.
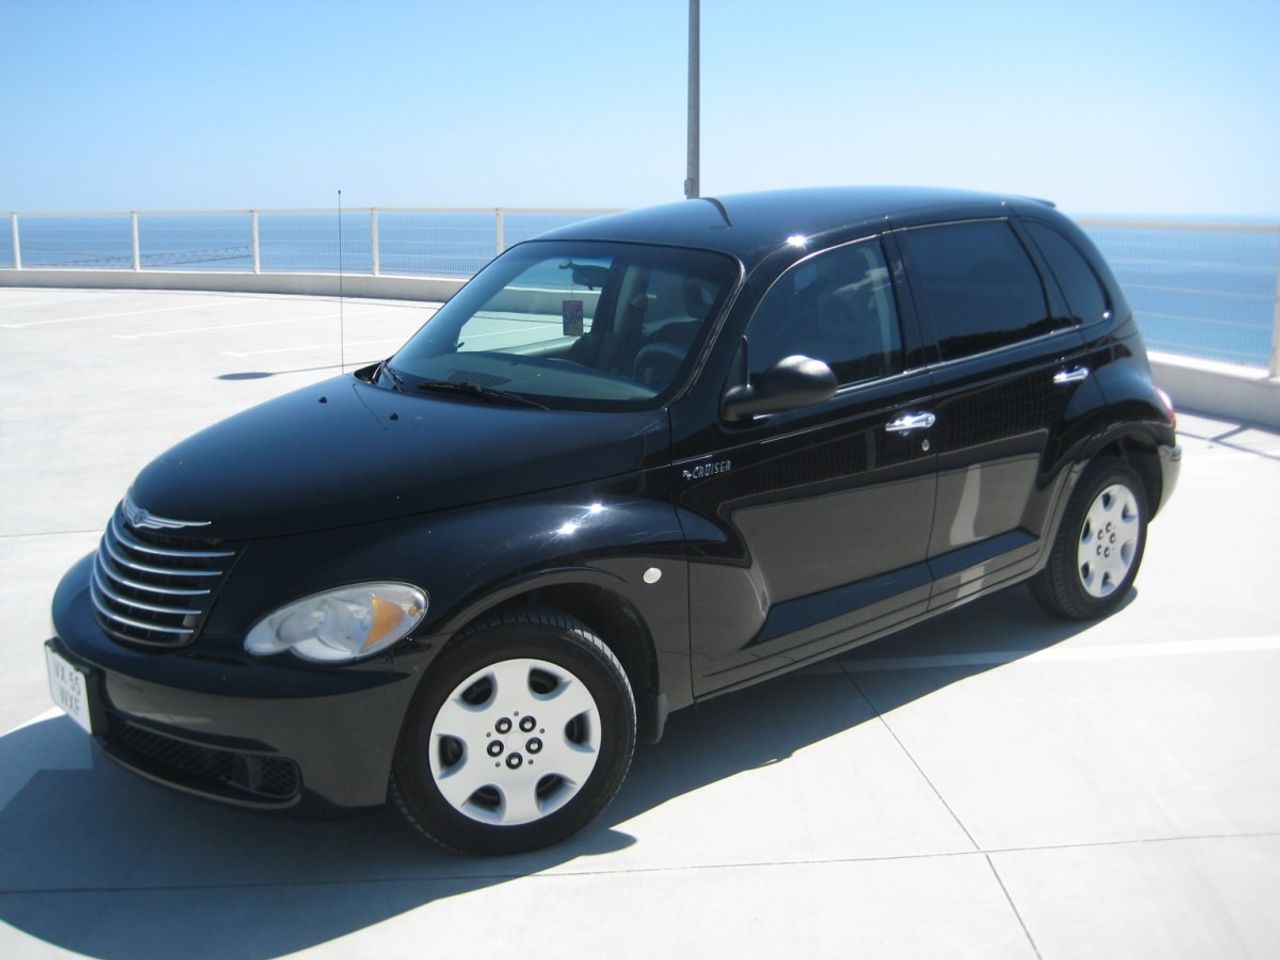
x=147, y=568
x=127, y=541
x=108, y=594
x=154, y=589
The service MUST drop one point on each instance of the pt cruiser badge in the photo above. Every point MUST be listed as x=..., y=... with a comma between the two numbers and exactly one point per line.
x=468, y=579
x=706, y=470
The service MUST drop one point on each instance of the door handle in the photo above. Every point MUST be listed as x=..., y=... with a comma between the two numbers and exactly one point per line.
x=1074, y=375
x=911, y=421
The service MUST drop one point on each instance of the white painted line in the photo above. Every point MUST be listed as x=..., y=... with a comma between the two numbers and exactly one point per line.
x=1123, y=651
x=236, y=326
x=101, y=316
x=313, y=346
x=47, y=715
x=43, y=303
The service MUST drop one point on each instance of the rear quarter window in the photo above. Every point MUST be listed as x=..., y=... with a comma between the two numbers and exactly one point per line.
x=975, y=285
x=1080, y=285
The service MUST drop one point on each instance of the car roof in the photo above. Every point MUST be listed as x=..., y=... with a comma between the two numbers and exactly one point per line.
x=751, y=225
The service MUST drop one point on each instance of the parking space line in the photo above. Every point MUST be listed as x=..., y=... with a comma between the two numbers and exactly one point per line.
x=101, y=316
x=45, y=303
x=312, y=346
x=1124, y=651
x=237, y=326
x=40, y=718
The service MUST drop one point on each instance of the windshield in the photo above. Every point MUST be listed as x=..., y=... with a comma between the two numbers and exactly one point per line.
x=575, y=324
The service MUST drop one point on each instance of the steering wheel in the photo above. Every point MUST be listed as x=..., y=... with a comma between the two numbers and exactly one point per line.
x=656, y=364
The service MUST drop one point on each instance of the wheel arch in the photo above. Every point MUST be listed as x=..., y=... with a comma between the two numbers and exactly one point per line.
x=607, y=613
x=1141, y=453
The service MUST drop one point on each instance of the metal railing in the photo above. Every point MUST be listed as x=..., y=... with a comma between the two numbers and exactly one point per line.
x=397, y=241
x=1200, y=289
x=1204, y=290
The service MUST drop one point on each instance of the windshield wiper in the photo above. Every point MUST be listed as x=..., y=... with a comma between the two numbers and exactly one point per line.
x=488, y=394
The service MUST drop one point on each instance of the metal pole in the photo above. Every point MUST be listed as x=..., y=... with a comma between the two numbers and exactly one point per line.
x=691, y=188
x=137, y=248
x=373, y=241
x=254, y=242
x=500, y=228
x=17, y=246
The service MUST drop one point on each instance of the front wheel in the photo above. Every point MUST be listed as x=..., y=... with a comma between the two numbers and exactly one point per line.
x=1099, y=546
x=519, y=737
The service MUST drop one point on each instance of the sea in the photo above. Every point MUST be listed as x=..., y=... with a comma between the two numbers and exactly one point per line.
x=1198, y=289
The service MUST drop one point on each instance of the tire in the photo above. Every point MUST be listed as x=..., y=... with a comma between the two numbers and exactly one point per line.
x=520, y=734
x=1099, y=545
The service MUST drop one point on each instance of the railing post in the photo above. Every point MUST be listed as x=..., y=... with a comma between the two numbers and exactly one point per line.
x=17, y=246
x=137, y=248
x=373, y=241
x=254, y=244
x=1273, y=369
x=500, y=229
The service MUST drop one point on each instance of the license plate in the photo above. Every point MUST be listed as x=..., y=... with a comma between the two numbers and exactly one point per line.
x=69, y=687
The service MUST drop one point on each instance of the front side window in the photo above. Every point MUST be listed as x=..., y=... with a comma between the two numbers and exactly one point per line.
x=585, y=325
x=976, y=286
x=836, y=307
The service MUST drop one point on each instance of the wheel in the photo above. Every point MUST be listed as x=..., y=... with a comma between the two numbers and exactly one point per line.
x=519, y=736
x=1099, y=546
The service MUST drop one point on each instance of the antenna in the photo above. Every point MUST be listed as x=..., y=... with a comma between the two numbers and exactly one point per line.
x=342, y=347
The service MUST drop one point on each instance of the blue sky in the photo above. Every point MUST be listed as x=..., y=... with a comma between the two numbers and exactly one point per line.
x=1169, y=108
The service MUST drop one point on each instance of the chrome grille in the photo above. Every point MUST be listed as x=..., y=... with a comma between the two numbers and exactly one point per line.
x=155, y=589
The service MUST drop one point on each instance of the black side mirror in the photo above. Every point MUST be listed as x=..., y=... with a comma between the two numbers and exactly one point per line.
x=792, y=382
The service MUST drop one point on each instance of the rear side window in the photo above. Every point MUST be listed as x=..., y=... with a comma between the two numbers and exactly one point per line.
x=836, y=307
x=976, y=285
x=1085, y=296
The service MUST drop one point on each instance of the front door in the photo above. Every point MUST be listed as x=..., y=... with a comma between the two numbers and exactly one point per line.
x=809, y=529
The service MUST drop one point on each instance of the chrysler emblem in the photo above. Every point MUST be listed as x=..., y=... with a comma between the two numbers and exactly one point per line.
x=139, y=517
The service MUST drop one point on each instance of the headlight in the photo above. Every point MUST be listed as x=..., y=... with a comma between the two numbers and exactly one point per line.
x=342, y=624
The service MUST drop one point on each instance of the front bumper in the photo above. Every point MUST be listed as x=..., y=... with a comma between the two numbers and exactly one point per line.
x=274, y=733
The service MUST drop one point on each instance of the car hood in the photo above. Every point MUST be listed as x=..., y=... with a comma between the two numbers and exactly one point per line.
x=345, y=452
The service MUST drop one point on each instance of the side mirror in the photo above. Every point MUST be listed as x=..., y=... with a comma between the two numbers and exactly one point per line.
x=790, y=383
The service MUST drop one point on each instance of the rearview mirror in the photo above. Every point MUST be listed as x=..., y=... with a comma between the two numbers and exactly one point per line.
x=792, y=382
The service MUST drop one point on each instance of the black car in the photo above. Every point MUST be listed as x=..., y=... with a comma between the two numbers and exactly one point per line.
x=632, y=464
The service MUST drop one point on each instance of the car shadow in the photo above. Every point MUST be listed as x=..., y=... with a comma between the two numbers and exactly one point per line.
x=103, y=863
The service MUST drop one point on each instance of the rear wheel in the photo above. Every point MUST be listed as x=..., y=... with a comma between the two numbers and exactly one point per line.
x=519, y=737
x=1100, y=544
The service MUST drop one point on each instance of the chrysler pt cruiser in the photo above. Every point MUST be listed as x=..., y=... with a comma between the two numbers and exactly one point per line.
x=633, y=464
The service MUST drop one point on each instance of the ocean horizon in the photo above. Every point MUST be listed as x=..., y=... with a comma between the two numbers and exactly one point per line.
x=1208, y=293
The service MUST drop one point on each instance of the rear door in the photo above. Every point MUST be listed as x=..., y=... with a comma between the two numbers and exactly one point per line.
x=1007, y=360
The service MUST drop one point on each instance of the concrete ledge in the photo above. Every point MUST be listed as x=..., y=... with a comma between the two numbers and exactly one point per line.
x=310, y=284
x=1222, y=390
x=1216, y=389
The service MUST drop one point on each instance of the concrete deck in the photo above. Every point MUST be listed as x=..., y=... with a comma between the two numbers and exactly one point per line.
x=994, y=784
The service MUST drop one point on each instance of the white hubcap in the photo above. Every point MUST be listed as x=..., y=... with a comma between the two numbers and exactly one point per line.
x=1108, y=541
x=515, y=741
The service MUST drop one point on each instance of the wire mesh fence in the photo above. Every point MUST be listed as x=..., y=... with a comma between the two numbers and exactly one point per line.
x=1200, y=290
x=208, y=241
x=85, y=242
x=1203, y=290
x=449, y=243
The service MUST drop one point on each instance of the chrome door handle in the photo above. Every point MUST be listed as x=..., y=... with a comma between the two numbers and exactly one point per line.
x=911, y=421
x=1074, y=375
